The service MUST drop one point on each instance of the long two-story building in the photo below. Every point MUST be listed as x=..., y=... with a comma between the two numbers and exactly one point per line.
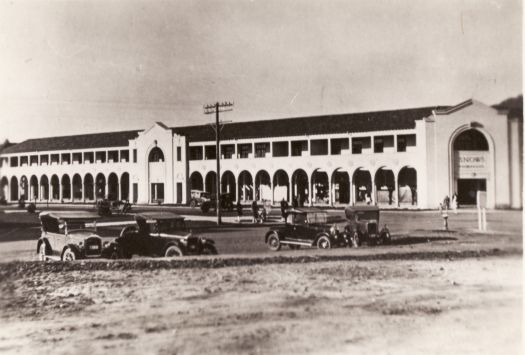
x=410, y=158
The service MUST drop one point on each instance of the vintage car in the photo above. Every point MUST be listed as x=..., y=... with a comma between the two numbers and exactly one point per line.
x=305, y=227
x=160, y=234
x=226, y=203
x=65, y=235
x=363, y=226
x=107, y=207
x=198, y=197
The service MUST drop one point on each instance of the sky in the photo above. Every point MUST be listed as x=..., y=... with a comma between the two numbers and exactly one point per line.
x=74, y=67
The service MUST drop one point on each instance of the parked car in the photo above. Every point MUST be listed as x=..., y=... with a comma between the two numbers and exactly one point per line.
x=226, y=203
x=305, y=227
x=107, y=207
x=198, y=197
x=363, y=226
x=70, y=235
x=161, y=234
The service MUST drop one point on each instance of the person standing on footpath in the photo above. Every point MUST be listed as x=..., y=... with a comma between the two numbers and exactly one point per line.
x=255, y=211
x=239, y=211
x=295, y=204
x=284, y=207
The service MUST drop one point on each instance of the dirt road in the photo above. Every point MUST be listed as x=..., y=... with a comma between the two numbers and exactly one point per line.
x=441, y=306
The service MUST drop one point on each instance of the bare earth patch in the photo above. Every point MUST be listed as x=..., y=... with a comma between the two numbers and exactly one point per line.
x=437, y=306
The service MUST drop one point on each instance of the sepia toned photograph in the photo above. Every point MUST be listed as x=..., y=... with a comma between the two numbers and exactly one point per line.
x=261, y=177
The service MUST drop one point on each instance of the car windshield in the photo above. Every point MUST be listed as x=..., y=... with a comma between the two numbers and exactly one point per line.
x=169, y=226
x=367, y=215
x=317, y=218
x=205, y=195
x=300, y=218
x=79, y=225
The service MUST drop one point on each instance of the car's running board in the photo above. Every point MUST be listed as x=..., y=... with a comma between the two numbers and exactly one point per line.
x=296, y=243
x=53, y=258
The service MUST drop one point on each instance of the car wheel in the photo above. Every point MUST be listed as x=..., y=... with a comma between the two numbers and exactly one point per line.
x=68, y=255
x=173, y=251
x=324, y=242
x=294, y=247
x=274, y=244
x=209, y=250
x=42, y=255
x=193, y=204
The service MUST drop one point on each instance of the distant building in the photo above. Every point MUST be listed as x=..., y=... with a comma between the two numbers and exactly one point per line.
x=409, y=158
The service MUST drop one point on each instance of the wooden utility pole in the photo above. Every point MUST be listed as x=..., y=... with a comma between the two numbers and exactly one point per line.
x=216, y=108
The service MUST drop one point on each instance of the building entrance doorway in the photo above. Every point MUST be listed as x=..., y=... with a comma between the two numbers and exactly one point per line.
x=157, y=192
x=468, y=188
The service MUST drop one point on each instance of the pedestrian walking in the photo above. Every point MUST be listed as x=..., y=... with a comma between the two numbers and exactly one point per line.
x=255, y=211
x=239, y=211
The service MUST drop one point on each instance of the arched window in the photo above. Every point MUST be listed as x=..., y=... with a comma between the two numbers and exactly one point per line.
x=471, y=139
x=156, y=155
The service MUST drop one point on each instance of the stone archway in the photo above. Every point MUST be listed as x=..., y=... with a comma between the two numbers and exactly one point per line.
x=320, y=187
x=472, y=165
x=300, y=188
x=341, y=187
x=196, y=181
x=245, y=186
x=55, y=188
x=14, y=188
x=156, y=175
x=33, y=188
x=263, y=189
x=228, y=184
x=77, y=187
x=4, y=189
x=124, y=186
x=66, y=187
x=281, y=186
x=100, y=186
x=89, y=190
x=362, y=186
x=407, y=186
x=113, y=187
x=211, y=182
x=44, y=188
x=385, y=187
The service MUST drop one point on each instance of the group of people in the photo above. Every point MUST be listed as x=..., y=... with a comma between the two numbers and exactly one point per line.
x=260, y=216
x=256, y=215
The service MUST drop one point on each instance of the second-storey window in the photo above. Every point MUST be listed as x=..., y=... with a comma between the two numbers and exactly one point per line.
x=195, y=153
x=261, y=149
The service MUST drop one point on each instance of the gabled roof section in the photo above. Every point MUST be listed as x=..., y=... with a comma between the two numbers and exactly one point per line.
x=451, y=109
x=312, y=125
x=84, y=141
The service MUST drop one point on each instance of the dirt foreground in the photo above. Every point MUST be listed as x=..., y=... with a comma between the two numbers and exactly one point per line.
x=437, y=306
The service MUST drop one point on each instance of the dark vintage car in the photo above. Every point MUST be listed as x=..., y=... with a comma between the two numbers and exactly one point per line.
x=107, y=207
x=225, y=199
x=199, y=197
x=305, y=227
x=363, y=226
x=70, y=235
x=161, y=234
